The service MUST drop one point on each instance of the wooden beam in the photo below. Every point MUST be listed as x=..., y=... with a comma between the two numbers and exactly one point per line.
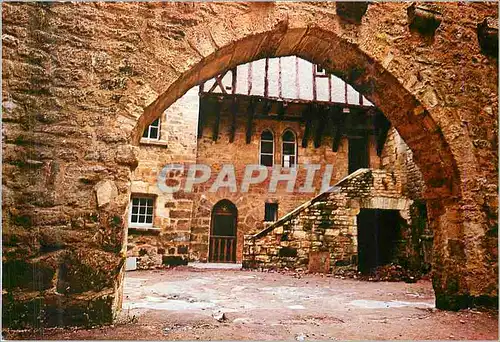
x=250, y=115
x=216, y=109
x=345, y=92
x=234, y=78
x=338, y=130
x=204, y=103
x=381, y=126
x=266, y=78
x=218, y=82
x=289, y=101
x=282, y=110
x=266, y=107
x=234, y=110
x=329, y=88
x=273, y=117
x=308, y=118
x=322, y=121
x=315, y=96
x=337, y=138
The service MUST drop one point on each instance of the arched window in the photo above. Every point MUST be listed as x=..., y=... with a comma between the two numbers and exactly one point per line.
x=289, y=150
x=267, y=148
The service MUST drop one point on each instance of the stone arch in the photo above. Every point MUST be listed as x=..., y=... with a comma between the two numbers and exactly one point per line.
x=110, y=70
x=347, y=61
x=414, y=121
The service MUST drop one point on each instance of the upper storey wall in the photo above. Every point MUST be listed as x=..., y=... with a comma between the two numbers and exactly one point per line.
x=286, y=78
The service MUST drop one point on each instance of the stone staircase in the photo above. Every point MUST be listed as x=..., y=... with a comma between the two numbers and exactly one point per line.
x=326, y=224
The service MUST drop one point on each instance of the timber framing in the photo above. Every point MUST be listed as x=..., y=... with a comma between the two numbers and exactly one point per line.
x=320, y=119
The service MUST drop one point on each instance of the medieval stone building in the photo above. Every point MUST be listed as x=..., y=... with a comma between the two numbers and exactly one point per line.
x=286, y=115
x=99, y=97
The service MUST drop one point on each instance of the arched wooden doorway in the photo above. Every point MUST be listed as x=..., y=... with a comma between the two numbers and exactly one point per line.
x=223, y=232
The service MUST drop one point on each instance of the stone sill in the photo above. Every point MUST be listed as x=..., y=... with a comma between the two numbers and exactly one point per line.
x=145, y=141
x=142, y=229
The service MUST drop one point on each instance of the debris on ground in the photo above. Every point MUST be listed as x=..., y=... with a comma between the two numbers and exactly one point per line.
x=394, y=272
x=390, y=272
x=236, y=305
x=168, y=330
x=300, y=337
x=219, y=316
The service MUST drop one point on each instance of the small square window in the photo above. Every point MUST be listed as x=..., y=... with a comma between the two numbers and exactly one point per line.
x=152, y=131
x=271, y=212
x=141, y=211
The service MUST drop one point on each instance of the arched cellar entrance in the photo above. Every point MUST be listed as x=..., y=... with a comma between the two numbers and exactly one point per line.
x=378, y=231
x=223, y=237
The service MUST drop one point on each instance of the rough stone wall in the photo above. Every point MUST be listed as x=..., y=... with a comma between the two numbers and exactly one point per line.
x=79, y=81
x=416, y=251
x=170, y=234
x=397, y=157
x=66, y=175
x=326, y=224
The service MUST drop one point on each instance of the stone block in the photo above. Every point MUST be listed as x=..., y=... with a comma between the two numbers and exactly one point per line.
x=185, y=214
x=89, y=270
x=106, y=191
x=32, y=276
x=319, y=262
x=53, y=310
x=299, y=235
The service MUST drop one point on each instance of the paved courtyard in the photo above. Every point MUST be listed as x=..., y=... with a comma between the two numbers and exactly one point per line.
x=192, y=303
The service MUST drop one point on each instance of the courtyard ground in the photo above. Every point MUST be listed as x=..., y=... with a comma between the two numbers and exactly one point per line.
x=187, y=304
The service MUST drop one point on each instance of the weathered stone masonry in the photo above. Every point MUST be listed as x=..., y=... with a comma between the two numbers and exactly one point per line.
x=171, y=234
x=81, y=81
x=327, y=223
x=182, y=226
x=184, y=219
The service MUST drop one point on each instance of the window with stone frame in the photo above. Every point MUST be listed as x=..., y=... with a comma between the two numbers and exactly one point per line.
x=271, y=212
x=289, y=149
x=141, y=210
x=152, y=131
x=267, y=148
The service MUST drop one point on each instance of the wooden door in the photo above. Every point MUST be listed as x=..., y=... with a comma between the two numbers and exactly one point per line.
x=223, y=232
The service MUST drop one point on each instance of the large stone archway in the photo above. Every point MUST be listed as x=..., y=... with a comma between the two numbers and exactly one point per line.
x=81, y=81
